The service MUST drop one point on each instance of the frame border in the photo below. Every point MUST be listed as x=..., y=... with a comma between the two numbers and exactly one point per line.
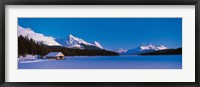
x=99, y=2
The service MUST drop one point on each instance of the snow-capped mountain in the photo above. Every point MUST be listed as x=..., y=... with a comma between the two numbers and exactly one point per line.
x=121, y=51
x=47, y=40
x=152, y=47
x=145, y=48
x=74, y=42
x=161, y=47
x=98, y=44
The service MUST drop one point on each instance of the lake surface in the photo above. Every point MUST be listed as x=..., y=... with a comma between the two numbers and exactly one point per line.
x=105, y=62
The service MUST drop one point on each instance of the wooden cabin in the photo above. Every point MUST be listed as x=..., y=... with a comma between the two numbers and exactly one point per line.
x=55, y=55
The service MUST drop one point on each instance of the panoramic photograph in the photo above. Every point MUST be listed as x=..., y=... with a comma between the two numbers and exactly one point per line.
x=99, y=43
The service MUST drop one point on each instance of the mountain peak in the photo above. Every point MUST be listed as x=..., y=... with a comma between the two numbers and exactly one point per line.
x=162, y=47
x=98, y=44
x=70, y=35
x=150, y=46
x=143, y=48
x=72, y=40
x=121, y=51
x=75, y=42
x=37, y=37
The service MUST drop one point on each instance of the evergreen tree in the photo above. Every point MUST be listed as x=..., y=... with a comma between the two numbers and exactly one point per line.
x=29, y=46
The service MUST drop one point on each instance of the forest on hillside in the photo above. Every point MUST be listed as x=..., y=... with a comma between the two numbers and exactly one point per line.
x=29, y=46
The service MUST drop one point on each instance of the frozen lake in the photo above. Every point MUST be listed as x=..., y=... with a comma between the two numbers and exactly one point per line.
x=105, y=62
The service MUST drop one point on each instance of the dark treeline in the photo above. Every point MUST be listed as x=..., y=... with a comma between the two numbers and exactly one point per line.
x=29, y=46
x=165, y=52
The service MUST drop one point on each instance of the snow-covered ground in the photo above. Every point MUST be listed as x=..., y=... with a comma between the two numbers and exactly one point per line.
x=104, y=62
x=32, y=59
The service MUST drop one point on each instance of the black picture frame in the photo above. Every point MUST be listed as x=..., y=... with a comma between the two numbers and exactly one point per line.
x=99, y=2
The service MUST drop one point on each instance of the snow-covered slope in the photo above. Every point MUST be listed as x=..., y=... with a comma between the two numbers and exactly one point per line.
x=74, y=42
x=121, y=51
x=48, y=40
x=152, y=47
x=145, y=48
x=97, y=44
x=161, y=47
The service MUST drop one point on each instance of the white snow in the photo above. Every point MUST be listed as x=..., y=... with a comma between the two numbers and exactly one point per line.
x=31, y=59
x=121, y=51
x=161, y=47
x=108, y=62
x=146, y=48
x=98, y=44
x=48, y=40
x=51, y=54
x=75, y=42
x=152, y=47
x=27, y=57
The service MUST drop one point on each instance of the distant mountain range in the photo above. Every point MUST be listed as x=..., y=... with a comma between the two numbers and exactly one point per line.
x=77, y=43
x=145, y=49
x=70, y=42
x=121, y=51
x=164, y=52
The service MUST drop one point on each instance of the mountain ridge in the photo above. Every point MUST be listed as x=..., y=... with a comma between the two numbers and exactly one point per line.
x=38, y=37
x=165, y=52
x=75, y=42
x=78, y=43
x=145, y=48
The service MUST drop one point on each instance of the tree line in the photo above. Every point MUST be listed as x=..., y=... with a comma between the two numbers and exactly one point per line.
x=177, y=51
x=29, y=46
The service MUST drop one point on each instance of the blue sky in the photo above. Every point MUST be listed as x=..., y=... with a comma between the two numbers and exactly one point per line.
x=112, y=33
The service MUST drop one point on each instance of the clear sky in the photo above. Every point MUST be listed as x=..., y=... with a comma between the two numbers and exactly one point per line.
x=111, y=33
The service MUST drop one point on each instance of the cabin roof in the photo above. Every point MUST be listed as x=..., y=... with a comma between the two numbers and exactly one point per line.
x=53, y=54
